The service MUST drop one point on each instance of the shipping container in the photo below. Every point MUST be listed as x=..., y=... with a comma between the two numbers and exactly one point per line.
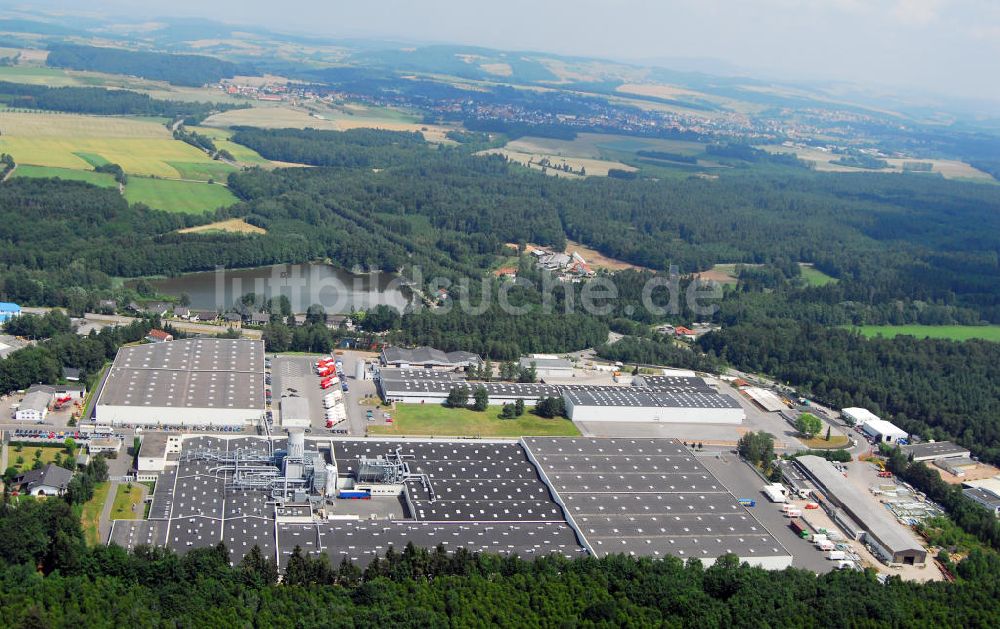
x=798, y=528
x=748, y=502
x=836, y=555
x=774, y=492
x=793, y=513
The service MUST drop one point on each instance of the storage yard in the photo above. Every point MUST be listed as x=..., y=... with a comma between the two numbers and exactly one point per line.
x=355, y=498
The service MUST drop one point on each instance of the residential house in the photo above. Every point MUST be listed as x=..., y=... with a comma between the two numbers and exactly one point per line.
x=159, y=336
x=182, y=312
x=51, y=480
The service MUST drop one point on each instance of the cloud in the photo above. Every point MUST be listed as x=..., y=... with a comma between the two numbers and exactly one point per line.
x=917, y=12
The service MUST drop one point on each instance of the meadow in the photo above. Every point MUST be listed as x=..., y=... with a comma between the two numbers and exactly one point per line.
x=953, y=332
x=178, y=196
x=103, y=180
x=815, y=277
x=592, y=167
x=437, y=420
x=81, y=142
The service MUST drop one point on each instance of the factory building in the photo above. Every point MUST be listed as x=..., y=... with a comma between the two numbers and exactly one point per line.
x=294, y=412
x=935, y=450
x=765, y=399
x=986, y=498
x=548, y=366
x=427, y=358
x=858, y=416
x=631, y=404
x=34, y=407
x=860, y=513
x=188, y=382
x=881, y=430
x=672, y=382
x=155, y=449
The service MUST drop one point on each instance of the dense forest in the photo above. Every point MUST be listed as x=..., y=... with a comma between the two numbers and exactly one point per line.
x=935, y=388
x=50, y=578
x=101, y=101
x=188, y=70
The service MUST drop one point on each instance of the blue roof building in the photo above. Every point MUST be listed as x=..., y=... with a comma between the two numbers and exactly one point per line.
x=8, y=311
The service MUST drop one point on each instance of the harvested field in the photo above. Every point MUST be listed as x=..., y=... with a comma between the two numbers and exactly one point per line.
x=592, y=167
x=597, y=260
x=231, y=225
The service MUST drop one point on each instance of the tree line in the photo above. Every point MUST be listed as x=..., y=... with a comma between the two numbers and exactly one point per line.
x=187, y=70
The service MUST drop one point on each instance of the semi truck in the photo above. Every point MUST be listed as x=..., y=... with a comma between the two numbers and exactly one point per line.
x=748, y=502
x=836, y=555
x=774, y=492
x=798, y=528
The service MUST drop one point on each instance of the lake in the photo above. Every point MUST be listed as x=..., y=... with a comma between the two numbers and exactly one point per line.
x=334, y=288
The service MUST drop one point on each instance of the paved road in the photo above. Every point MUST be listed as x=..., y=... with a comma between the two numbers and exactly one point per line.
x=104, y=524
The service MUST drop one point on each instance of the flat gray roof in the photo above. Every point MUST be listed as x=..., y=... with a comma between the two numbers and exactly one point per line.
x=546, y=363
x=36, y=401
x=648, y=497
x=428, y=356
x=294, y=408
x=874, y=519
x=935, y=450
x=188, y=373
x=672, y=383
x=987, y=498
x=638, y=397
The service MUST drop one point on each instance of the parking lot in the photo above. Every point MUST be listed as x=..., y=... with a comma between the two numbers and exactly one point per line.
x=296, y=376
x=740, y=479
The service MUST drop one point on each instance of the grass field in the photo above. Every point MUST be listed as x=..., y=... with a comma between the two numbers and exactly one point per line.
x=337, y=119
x=90, y=516
x=231, y=225
x=950, y=169
x=815, y=277
x=953, y=332
x=28, y=454
x=203, y=171
x=594, y=167
x=178, y=196
x=70, y=141
x=103, y=180
x=243, y=154
x=127, y=503
x=437, y=420
x=603, y=145
x=820, y=443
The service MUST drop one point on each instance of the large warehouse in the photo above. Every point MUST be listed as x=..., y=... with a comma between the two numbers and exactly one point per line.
x=632, y=404
x=427, y=358
x=189, y=382
x=688, y=400
x=886, y=537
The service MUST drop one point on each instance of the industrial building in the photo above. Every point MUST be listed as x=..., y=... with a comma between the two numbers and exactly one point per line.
x=294, y=412
x=355, y=498
x=672, y=383
x=934, y=450
x=881, y=430
x=188, y=382
x=858, y=416
x=650, y=497
x=427, y=358
x=153, y=453
x=8, y=311
x=34, y=407
x=631, y=404
x=673, y=400
x=548, y=366
x=765, y=399
x=860, y=515
x=986, y=498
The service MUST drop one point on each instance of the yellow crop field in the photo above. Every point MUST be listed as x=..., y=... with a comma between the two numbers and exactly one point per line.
x=593, y=167
x=231, y=225
x=141, y=147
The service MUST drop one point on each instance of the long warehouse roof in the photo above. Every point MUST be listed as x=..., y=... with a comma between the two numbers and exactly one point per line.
x=188, y=373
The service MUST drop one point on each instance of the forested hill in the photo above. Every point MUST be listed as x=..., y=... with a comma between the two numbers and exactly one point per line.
x=189, y=70
x=98, y=100
x=49, y=578
x=887, y=237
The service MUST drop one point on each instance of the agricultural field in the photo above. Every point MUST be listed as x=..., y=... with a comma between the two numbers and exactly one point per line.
x=603, y=146
x=81, y=142
x=592, y=167
x=815, y=277
x=103, y=180
x=191, y=197
x=243, y=154
x=721, y=273
x=231, y=225
x=336, y=119
x=953, y=332
x=947, y=168
x=437, y=420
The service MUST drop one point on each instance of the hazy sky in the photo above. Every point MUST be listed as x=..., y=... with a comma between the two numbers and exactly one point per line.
x=943, y=46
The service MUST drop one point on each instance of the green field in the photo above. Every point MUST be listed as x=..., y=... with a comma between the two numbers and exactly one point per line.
x=243, y=154
x=90, y=514
x=953, y=332
x=178, y=196
x=126, y=500
x=203, y=171
x=103, y=180
x=28, y=454
x=79, y=142
x=437, y=420
x=815, y=277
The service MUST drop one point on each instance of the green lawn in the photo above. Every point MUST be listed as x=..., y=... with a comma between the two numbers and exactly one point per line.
x=126, y=500
x=93, y=159
x=28, y=454
x=203, y=171
x=177, y=196
x=815, y=277
x=90, y=515
x=437, y=420
x=953, y=332
x=103, y=180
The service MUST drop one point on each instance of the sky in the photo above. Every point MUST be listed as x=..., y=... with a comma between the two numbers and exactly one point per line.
x=949, y=47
